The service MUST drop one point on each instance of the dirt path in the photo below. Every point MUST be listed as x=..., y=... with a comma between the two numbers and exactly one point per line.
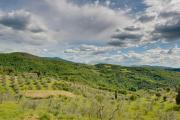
x=47, y=93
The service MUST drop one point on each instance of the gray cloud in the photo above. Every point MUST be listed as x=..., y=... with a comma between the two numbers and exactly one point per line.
x=132, y=28
x=166, y=24
x=70, y=23
x=84, y=22
x=126, y=35
x=167, y=14
x=21, y=26
x=117, y=43
x=169, y=31
x=16, y=20
x=37, y=29
x=160, y=21
x=21, y=20
x=90, y=50
x=146, y=18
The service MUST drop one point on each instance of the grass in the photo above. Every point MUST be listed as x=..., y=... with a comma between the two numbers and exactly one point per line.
x=89, y=103
x=10, y=111
x=82, y=108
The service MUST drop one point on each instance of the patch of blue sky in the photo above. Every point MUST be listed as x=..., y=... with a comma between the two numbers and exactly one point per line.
x=9, y=5
x=135, y=5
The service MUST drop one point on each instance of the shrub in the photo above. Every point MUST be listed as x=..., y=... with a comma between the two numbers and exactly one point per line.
x=44, y=117
x=61, y=86
x=54, y=108
x=38, y=86
x=30, y=104
x=1, y=97
x=99, y=98
x=168, y=89
x=133, y=97
x=164, y=98
x=158, y=94
x=132, y=89
x=122, y=92
x=18, y=97
x=30, y=87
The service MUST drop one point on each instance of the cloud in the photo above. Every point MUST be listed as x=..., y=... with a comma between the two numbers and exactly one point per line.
x=16, y=19
x=154, y=56
x=92, y=31
x=170, y=30
x=132, y=28
x=73, y=23
x=88, y=21
x=21, y=20
x=90, y=49
x=167, y=14
x=159, y=22
x=117, y=43
x=146, y=18
x=21, y=26
x=157, y=56
x=126, y=35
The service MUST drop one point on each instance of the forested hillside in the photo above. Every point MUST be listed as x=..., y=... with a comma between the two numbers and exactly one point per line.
x=103, y=76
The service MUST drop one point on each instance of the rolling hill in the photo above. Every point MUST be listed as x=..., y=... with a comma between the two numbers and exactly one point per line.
x=102, y=76
x=41, y=88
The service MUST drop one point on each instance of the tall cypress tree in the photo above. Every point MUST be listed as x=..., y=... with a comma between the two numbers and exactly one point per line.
x=178, y=96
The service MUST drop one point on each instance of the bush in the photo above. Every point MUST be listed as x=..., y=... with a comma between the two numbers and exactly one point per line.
x=30, y=104
x=122, y=92
x=133, y=97
x=168, y=89
x=44, y=117
x=99, y=98
x=61, y=86
x=164, y=98
x=158, y=94
x=133, y=89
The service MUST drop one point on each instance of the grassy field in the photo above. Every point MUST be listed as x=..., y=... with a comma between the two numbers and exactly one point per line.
x=81, y=102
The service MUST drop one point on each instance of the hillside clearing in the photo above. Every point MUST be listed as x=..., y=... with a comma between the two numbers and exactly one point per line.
x=47, y=93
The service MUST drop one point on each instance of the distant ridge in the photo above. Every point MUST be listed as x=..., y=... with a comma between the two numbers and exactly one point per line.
x=160, y=67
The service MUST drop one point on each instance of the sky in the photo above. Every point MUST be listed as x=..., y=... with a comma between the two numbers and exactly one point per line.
x=123, y=32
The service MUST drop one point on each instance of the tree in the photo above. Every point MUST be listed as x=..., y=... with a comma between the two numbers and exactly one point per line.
x=2, y=95
x=178, y=96
x=18, y=97
x=115, y=95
